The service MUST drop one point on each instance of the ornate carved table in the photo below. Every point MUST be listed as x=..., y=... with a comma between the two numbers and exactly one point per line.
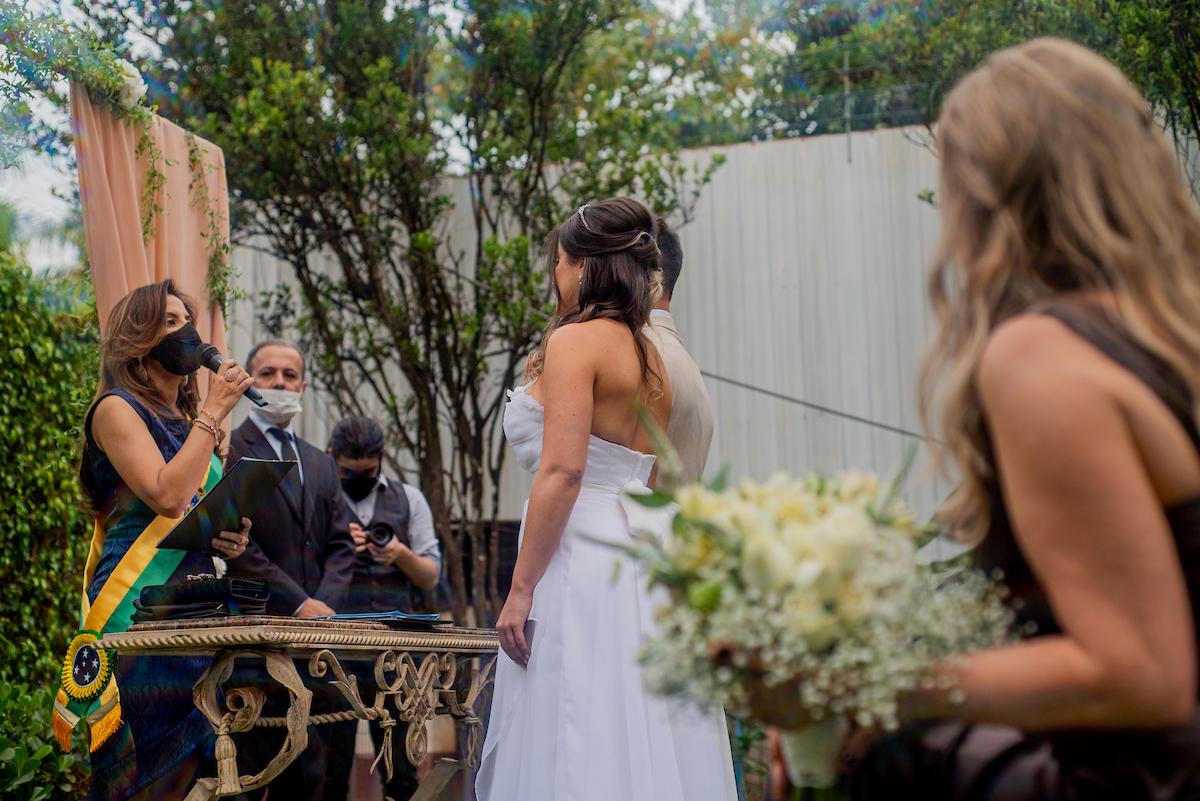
x=418, y=673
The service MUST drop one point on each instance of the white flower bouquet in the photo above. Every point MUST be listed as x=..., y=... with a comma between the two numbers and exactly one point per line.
x=817, y=580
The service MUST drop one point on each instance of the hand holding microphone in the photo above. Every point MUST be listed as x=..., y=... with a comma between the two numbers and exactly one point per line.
x=211, y=358
x=225, y=389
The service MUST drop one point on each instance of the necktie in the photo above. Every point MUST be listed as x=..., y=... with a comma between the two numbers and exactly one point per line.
x=287, y=452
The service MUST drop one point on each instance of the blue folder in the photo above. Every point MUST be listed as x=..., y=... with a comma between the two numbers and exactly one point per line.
x=388, y=618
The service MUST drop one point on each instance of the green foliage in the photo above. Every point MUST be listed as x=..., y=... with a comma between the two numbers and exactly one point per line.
x=831, y=64
x=1145, y=33
x=31, y=766
x=48, y=371
x=8, y=226
x=221, y=274
x=1157, y=43
x=825, y=66
x=858, y=65
x=37, y=51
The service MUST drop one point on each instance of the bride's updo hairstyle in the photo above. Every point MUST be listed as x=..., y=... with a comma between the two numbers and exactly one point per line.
x=622, y=280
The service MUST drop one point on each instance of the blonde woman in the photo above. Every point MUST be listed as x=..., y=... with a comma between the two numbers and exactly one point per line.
x=1065, y=378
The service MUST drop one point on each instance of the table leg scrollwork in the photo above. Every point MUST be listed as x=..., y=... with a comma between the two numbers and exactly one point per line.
x=415, y=690
x=320, y=665
x=481, y=677
x=420, y=688
x=416, y=674
x=241, y=711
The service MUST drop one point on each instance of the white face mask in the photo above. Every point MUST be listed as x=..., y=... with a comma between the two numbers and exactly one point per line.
x=282, y=405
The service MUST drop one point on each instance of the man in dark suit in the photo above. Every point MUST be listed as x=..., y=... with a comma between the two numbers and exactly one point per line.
x=302, y=546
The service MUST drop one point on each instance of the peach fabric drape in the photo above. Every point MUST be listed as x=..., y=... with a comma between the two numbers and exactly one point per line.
x=111, y=178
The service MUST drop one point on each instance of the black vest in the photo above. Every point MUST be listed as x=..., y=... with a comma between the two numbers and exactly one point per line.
x=376, y=587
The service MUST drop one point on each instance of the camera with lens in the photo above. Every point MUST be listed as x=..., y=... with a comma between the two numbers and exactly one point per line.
x=380, y=534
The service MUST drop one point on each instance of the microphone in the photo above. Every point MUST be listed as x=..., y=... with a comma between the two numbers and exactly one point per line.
x=211, y=358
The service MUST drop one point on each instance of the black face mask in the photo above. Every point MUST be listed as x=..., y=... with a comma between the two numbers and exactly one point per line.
x=179, y=351
x=358, y=485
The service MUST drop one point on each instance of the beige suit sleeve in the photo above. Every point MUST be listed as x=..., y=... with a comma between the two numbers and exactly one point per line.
x=690, y=428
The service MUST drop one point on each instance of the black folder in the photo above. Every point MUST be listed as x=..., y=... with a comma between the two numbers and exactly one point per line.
x=236, y=495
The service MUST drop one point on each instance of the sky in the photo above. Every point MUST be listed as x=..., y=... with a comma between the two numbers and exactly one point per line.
x=30, y=188
x=32, y=185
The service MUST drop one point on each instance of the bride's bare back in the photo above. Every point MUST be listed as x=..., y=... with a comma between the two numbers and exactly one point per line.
x=590, y=382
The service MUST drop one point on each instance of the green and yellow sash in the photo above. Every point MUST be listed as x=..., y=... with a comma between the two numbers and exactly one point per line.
x=88, y=691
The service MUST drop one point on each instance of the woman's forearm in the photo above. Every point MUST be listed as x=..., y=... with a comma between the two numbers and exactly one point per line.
x=183, y=475
x=550, y=502
x=1047, y=683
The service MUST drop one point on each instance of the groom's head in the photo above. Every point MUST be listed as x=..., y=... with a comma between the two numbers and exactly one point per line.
x=670, y=259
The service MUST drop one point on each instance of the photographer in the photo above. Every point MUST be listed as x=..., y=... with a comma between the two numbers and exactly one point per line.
x=398, y=556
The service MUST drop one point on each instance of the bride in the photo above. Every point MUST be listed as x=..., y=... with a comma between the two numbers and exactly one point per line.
x=571, y=720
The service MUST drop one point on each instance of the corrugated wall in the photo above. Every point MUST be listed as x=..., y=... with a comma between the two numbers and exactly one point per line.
x=804, y=276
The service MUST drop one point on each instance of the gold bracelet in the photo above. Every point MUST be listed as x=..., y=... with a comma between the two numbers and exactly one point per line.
x=198, y=423
x=212, y=420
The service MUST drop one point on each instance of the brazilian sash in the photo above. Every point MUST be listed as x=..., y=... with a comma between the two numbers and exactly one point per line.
x=88, y=690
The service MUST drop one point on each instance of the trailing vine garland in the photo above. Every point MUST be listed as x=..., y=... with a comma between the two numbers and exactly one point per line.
x=156, y=179
x=220, y=272
x=40, y=49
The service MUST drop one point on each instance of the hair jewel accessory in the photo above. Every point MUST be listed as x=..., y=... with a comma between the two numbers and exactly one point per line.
x=583, y=219
x=638, y=239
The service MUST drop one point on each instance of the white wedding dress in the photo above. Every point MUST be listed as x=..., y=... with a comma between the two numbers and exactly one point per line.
x=578, y=723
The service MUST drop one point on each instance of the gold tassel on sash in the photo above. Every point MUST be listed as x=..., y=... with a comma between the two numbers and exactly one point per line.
x=64, y=721
x=105, y=721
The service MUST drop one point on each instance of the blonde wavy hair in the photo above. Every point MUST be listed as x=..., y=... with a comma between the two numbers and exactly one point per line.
x=1055, y=179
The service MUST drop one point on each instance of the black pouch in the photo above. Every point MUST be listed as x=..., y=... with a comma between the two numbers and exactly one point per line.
x=178, y=611
x=209, y=597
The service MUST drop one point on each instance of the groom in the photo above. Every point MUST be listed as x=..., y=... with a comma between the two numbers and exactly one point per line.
x=690, y=429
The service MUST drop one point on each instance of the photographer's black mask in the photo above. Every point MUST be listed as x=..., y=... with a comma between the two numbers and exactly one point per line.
x=179, y=351
x=358, y=485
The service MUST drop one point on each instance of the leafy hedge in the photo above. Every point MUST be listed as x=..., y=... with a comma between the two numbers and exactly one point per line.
x=31, y=766
x=48, y=373
x=48, y=366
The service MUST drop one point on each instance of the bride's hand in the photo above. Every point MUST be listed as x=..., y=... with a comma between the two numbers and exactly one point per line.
x=511, y=626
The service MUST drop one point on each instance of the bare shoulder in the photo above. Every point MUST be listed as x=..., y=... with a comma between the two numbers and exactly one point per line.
x=1034, y=363
x=114, y=418
x=592, y=336
x=113, y=410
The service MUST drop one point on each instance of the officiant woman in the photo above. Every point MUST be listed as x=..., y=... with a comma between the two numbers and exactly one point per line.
x=149, y=448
